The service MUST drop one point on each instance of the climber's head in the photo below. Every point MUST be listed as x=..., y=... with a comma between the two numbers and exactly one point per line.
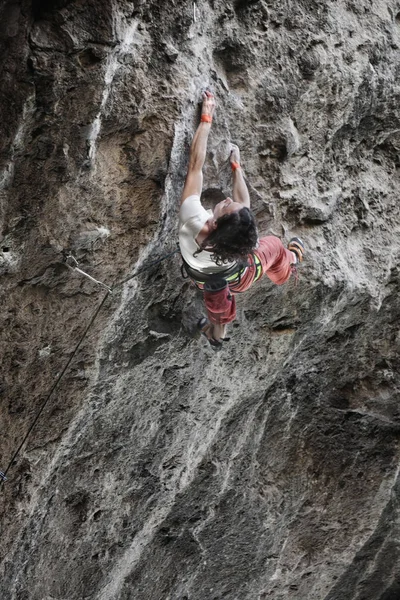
x=226, y=207
x=234, y=232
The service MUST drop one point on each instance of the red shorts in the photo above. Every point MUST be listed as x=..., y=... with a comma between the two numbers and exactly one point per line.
x=276, y=262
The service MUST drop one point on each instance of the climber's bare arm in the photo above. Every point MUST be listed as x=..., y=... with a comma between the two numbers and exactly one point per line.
x=198, y=149
x=194, y=177
x=240, y=191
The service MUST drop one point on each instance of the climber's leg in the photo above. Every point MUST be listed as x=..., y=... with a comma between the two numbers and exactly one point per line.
x=215, y=334
x=276, y=260
x=220, y=305
x=276, y=263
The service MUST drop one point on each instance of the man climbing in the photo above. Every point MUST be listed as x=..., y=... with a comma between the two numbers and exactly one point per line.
x=220, y=249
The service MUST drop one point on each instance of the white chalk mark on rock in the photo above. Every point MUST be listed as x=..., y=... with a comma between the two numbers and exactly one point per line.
x=18, y=143
x=125, y=34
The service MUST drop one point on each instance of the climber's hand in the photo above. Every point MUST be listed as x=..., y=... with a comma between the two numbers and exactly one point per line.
x=208, y=104
x=234, y=156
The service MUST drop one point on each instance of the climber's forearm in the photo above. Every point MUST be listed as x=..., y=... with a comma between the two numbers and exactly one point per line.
x=240, y=191
x=198, y=148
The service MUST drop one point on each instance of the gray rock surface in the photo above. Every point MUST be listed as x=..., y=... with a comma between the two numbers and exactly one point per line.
x=159, y=470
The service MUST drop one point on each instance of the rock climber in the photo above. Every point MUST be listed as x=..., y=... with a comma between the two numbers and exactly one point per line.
x=221, y=251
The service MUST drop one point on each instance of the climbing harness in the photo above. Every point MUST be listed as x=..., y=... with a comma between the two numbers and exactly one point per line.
x=233, y=275
x=258, y=266
x=3, y=477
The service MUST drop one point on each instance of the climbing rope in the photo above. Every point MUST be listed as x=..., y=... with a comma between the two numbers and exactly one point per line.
x=74, y=267
x=152, y=264
x=3, y=475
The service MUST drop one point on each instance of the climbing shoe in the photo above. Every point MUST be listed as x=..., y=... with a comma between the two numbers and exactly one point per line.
x=296, y=245
x=204, y=327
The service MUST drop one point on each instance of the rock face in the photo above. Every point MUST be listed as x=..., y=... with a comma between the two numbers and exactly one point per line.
x=157, y=469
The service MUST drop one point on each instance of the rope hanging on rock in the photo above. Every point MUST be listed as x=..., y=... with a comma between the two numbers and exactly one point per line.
x=74, y=267
x=3, y=475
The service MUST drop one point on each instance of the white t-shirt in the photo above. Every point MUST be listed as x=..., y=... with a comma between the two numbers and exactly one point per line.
x=192, y=218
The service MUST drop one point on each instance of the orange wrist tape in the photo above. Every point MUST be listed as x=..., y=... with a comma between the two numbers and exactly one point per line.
x=206, y=119
x=235, y=165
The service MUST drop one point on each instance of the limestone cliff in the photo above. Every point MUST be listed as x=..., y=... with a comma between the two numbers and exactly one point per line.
x=160, y=470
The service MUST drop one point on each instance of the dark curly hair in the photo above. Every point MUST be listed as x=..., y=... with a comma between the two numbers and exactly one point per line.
x=233, y=239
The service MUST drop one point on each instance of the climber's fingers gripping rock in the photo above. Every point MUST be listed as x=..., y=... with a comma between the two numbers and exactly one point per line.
x=234, y=156
x=208, y=104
